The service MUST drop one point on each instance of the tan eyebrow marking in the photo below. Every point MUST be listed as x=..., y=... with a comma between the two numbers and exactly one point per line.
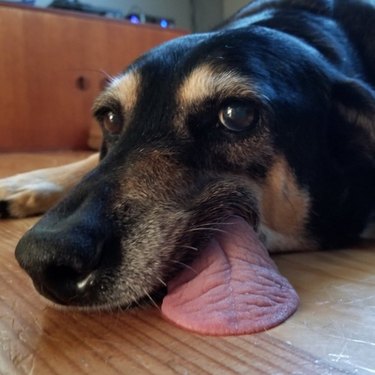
x=124, y=89
x=205, y=82
x=127, y=88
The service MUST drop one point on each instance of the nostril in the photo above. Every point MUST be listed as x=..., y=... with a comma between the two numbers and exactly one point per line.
x=65, y=275
x=64, y=284
x=62, y=274
x=86, y=282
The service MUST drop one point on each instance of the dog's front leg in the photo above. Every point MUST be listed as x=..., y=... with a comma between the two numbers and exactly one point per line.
x=35, y=192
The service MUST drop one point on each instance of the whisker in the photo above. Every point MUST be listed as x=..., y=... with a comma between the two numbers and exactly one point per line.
x=211, y=224
x=184, y=265
x=151, y=299
x=161, y=281
x=131, y=305
x=107, y=75
x=189, y=247
x=199, y=229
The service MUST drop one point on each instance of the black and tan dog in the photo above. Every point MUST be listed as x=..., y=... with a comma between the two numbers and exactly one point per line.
x=260, y=134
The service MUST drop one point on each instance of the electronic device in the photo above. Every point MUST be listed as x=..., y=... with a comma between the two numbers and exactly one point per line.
x=139, y=18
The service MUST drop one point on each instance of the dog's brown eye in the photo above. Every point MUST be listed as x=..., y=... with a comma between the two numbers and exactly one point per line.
x=112, y=123
x=238, y=116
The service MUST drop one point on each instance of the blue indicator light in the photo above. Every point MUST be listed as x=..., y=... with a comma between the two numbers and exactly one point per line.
x=164, y=23
x=134, y=19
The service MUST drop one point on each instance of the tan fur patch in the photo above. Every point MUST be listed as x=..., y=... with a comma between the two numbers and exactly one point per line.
x=124, y=88
x=284, y=205
x=154, y=175
x=206, y=82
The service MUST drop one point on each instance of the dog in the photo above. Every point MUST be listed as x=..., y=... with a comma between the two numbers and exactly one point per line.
x=218, y=148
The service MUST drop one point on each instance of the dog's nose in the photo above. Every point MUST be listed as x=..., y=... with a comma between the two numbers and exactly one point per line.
x=66, y=251
x=62, y=264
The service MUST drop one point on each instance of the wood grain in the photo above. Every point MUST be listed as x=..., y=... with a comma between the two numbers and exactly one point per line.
x=53, y=64
x=332, y=332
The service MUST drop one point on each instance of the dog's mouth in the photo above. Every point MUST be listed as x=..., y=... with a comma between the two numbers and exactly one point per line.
x=232, y=287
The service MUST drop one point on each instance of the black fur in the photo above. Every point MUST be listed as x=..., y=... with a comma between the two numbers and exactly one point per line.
x=4, y=210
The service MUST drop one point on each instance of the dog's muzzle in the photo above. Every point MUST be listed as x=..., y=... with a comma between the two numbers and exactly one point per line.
x=231, y=287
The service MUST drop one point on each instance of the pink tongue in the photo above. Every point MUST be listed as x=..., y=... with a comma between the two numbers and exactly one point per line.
x=233, y=288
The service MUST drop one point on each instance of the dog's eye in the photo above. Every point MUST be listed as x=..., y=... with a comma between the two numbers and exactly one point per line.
x=112, y=122
x=238, y=116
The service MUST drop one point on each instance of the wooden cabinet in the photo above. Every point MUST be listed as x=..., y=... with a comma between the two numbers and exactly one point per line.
x=52, y=65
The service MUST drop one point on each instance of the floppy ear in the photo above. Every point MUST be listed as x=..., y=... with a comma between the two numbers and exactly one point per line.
x=354, y=119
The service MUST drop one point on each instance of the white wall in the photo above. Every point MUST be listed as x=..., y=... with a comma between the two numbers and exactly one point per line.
x=208, y=14
x=231, y=6
x=179, y=10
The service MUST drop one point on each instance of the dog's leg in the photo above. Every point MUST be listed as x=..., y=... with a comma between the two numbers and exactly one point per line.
x=35, y=192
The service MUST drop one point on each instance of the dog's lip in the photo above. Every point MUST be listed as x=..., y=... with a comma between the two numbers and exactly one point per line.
x=233, y=287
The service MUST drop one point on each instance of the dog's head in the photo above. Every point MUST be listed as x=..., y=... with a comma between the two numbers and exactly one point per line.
x=214, y=145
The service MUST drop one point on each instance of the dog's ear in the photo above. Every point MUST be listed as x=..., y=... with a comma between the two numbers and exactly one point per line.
x=353, y=127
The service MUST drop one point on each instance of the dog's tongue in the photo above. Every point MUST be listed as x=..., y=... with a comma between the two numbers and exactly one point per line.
x=232, y=288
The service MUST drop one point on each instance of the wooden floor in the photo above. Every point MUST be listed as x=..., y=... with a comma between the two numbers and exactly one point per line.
x=333, y=331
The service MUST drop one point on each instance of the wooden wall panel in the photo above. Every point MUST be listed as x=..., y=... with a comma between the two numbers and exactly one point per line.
x=52, y=66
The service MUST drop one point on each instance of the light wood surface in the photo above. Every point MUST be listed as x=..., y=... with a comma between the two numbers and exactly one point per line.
x=52, y=66
x=333, y=331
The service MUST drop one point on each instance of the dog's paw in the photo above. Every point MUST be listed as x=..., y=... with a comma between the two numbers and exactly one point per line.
x=27, y=194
